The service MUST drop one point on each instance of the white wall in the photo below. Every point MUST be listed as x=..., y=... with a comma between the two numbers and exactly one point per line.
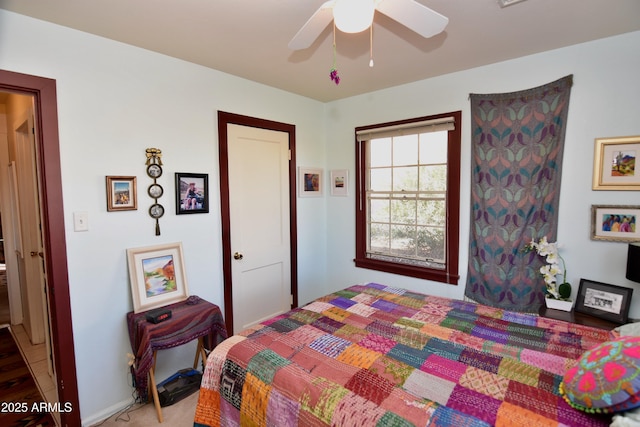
x=604, y=103
x=115, y=100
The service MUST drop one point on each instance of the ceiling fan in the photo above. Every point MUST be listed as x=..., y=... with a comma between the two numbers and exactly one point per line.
x=353, y=16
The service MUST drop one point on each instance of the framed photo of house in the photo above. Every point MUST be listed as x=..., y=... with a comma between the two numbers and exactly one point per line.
x=340, y=182
x=157, y=276
x=121, y=193
x=192, y=193
x=602, y=300
x=615, y=163
x=615, y=223
x=310, y=182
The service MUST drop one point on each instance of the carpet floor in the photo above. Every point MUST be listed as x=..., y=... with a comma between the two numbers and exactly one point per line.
x=20, y=397
x=179, y=414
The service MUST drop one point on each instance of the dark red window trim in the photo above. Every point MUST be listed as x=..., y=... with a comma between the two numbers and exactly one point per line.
x=453, y=209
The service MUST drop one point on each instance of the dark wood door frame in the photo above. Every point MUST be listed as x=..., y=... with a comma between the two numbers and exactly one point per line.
x=43, y=91
x=224, y=119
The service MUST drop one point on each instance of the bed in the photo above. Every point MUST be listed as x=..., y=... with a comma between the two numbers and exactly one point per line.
x=374, y=355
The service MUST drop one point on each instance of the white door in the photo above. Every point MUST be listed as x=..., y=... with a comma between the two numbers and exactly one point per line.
x=32, y=274
x=259, y=219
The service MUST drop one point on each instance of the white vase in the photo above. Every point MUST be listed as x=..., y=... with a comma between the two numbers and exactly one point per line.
x=557, y=304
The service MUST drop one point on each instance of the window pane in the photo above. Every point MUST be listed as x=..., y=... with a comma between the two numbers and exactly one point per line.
x=405, y=179
x=431, y=243
x=380, y=179
x=380, y=152
x=403, y=240
x=405, y=150
x=379, y=210
x=433, y=178
x=431, y=212
x=379, y=238
x=403, y=211
x=433, y=148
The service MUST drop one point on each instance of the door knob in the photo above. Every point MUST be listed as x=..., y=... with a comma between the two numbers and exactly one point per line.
x=34, y=253
x=238, y=256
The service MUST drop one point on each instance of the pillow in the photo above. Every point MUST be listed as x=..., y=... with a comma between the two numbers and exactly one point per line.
x=606, y=378
x=629, y=329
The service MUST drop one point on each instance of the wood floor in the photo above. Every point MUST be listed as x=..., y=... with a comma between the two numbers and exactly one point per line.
x=35, y=354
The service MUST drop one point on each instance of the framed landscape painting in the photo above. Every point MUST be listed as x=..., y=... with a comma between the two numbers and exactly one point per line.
x=157, y=276
x=121, y=193
x=614, y=165
x=340, y=182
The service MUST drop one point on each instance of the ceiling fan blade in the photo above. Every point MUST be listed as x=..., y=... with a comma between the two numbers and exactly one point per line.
x=313, y=27
x=415, y=16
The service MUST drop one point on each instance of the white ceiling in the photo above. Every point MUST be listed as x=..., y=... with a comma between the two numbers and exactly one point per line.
x=248, y=38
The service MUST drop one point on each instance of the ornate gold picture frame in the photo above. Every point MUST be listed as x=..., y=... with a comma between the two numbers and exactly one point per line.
x=121, y=193
x=614, y=165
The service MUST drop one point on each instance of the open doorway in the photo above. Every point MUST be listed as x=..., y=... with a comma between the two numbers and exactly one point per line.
x=42, y=95
x=5, y=315
x=22, y=292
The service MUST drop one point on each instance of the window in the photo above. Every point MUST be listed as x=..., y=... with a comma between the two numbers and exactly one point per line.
x=408, y=197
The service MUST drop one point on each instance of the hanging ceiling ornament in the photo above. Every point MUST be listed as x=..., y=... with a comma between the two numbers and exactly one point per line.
x=333, y=74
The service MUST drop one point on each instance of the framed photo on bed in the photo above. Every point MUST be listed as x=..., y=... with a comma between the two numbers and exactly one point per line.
x=192, y=193
x=599, y=299
x=614, y=166
x=121, y=193
x=157, y=276
x=615, y=223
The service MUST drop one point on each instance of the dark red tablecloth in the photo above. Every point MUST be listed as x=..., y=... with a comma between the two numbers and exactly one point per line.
x=188, y=322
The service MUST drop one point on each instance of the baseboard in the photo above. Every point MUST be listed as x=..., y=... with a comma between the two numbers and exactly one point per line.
x=106, y=413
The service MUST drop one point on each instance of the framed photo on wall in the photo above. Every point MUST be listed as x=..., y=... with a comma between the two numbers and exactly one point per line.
x=340, y=182
x=310, y=182
x=157, y=276
x=121, y=193
x=615, y=163
x=608, y=302
x=615, y=223
x=192, y=193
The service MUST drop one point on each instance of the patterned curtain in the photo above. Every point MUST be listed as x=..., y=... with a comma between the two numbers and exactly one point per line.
x=517, y=145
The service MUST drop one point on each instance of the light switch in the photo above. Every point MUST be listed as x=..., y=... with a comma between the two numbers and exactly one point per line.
x=81, y=221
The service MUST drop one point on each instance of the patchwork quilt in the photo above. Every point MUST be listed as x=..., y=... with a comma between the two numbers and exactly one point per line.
x=373, y=355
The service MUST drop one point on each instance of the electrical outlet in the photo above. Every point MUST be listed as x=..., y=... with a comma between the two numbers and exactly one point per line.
x=80, y=221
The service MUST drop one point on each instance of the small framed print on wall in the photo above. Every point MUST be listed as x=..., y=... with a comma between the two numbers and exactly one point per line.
x=310, y=182
x=615, y=163
x=340, y=182
x=121, y=193
x=615, y=223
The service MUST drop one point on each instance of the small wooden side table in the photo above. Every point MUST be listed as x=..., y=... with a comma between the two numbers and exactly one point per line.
x=577, y=318
x=191, y=319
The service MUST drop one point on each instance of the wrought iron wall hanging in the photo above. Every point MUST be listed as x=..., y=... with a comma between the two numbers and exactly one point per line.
x=155, y=190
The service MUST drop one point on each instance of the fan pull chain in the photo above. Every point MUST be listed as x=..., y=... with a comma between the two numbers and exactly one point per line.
x=333, y=74
x=371, y=46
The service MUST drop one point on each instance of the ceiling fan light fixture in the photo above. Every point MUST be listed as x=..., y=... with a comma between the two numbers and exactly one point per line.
x=505, y=3
x=353, y=16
